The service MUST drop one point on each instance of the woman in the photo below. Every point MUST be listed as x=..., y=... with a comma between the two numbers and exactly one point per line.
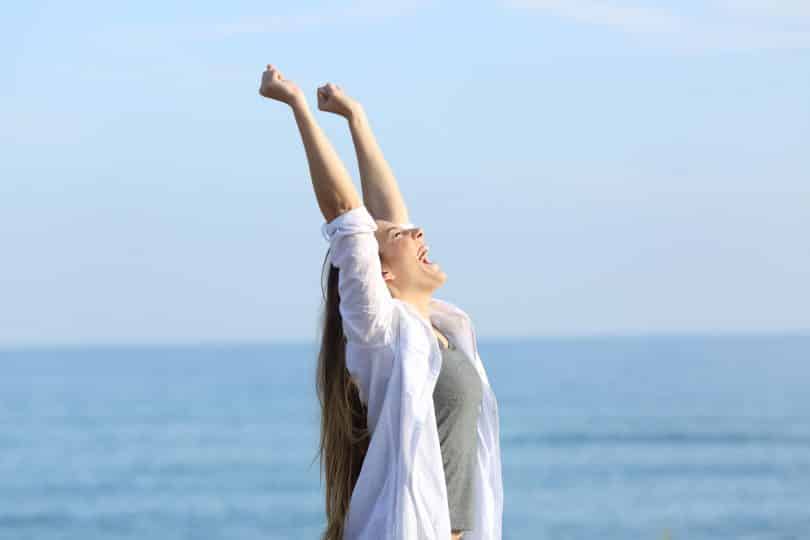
x=409, y=433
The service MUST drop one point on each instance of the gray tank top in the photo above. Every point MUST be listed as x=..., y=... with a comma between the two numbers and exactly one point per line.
x=457, y=399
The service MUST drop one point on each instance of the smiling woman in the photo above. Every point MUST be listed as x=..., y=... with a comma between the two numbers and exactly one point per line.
x=404, y=262
x=386, y=342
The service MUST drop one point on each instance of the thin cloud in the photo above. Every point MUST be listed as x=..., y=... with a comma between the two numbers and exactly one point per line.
x=721, y=25
x=792, y=11
x=629, y=18
x=358, y=11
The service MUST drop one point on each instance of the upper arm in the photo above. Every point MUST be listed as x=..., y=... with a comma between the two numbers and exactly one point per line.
x=366, y=305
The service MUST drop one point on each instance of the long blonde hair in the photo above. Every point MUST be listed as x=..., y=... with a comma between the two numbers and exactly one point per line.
x=344, y=430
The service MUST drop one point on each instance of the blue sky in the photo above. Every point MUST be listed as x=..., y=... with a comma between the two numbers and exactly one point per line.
x=579, y=167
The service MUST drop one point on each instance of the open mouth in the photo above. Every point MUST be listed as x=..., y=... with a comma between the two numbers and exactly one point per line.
x=422, y=256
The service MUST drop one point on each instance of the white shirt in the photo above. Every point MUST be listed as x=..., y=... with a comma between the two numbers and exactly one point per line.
x=394, y=355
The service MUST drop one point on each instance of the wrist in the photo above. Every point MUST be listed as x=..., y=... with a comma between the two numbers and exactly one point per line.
x=356, y=113
x=299, y=104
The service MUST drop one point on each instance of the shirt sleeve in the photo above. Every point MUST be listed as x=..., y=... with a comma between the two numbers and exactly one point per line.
x=366, y=304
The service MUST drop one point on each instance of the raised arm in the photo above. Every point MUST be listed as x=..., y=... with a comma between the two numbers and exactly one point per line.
x=331, y=181
x=381, y=194
x=366, y=304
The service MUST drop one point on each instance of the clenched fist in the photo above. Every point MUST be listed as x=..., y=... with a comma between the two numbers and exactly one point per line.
x=331, y=98
x=275, y=86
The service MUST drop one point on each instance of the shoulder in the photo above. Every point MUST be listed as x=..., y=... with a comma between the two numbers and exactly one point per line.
x=448, y=307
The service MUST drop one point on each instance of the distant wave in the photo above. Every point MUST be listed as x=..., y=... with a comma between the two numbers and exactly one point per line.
x=34, y=519
x=665, y=438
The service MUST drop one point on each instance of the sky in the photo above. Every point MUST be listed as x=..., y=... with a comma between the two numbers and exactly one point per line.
x=578, y=167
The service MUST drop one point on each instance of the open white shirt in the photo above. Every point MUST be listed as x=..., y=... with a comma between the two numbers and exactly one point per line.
x=394, y=355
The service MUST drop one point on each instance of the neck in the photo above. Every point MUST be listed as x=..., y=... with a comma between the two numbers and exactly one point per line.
x=421, y=303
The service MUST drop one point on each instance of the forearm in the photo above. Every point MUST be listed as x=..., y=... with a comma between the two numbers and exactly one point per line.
x=381, y=193
x=331, y=181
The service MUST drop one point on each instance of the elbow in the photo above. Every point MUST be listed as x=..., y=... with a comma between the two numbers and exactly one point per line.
x=340, y=208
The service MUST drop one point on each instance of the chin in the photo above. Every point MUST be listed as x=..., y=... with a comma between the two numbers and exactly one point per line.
x=442, y=279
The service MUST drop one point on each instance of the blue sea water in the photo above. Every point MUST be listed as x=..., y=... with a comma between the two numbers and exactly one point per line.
x=609, y=438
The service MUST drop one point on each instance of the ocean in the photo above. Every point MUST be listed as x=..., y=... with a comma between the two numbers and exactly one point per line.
x=669, y=437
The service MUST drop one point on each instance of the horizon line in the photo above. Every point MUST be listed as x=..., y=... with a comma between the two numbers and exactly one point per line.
x=242, y=343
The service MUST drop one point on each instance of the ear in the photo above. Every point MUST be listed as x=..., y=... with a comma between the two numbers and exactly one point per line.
x=388, y=275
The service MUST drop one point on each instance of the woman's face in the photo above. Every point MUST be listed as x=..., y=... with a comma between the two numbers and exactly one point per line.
x=405, y=267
